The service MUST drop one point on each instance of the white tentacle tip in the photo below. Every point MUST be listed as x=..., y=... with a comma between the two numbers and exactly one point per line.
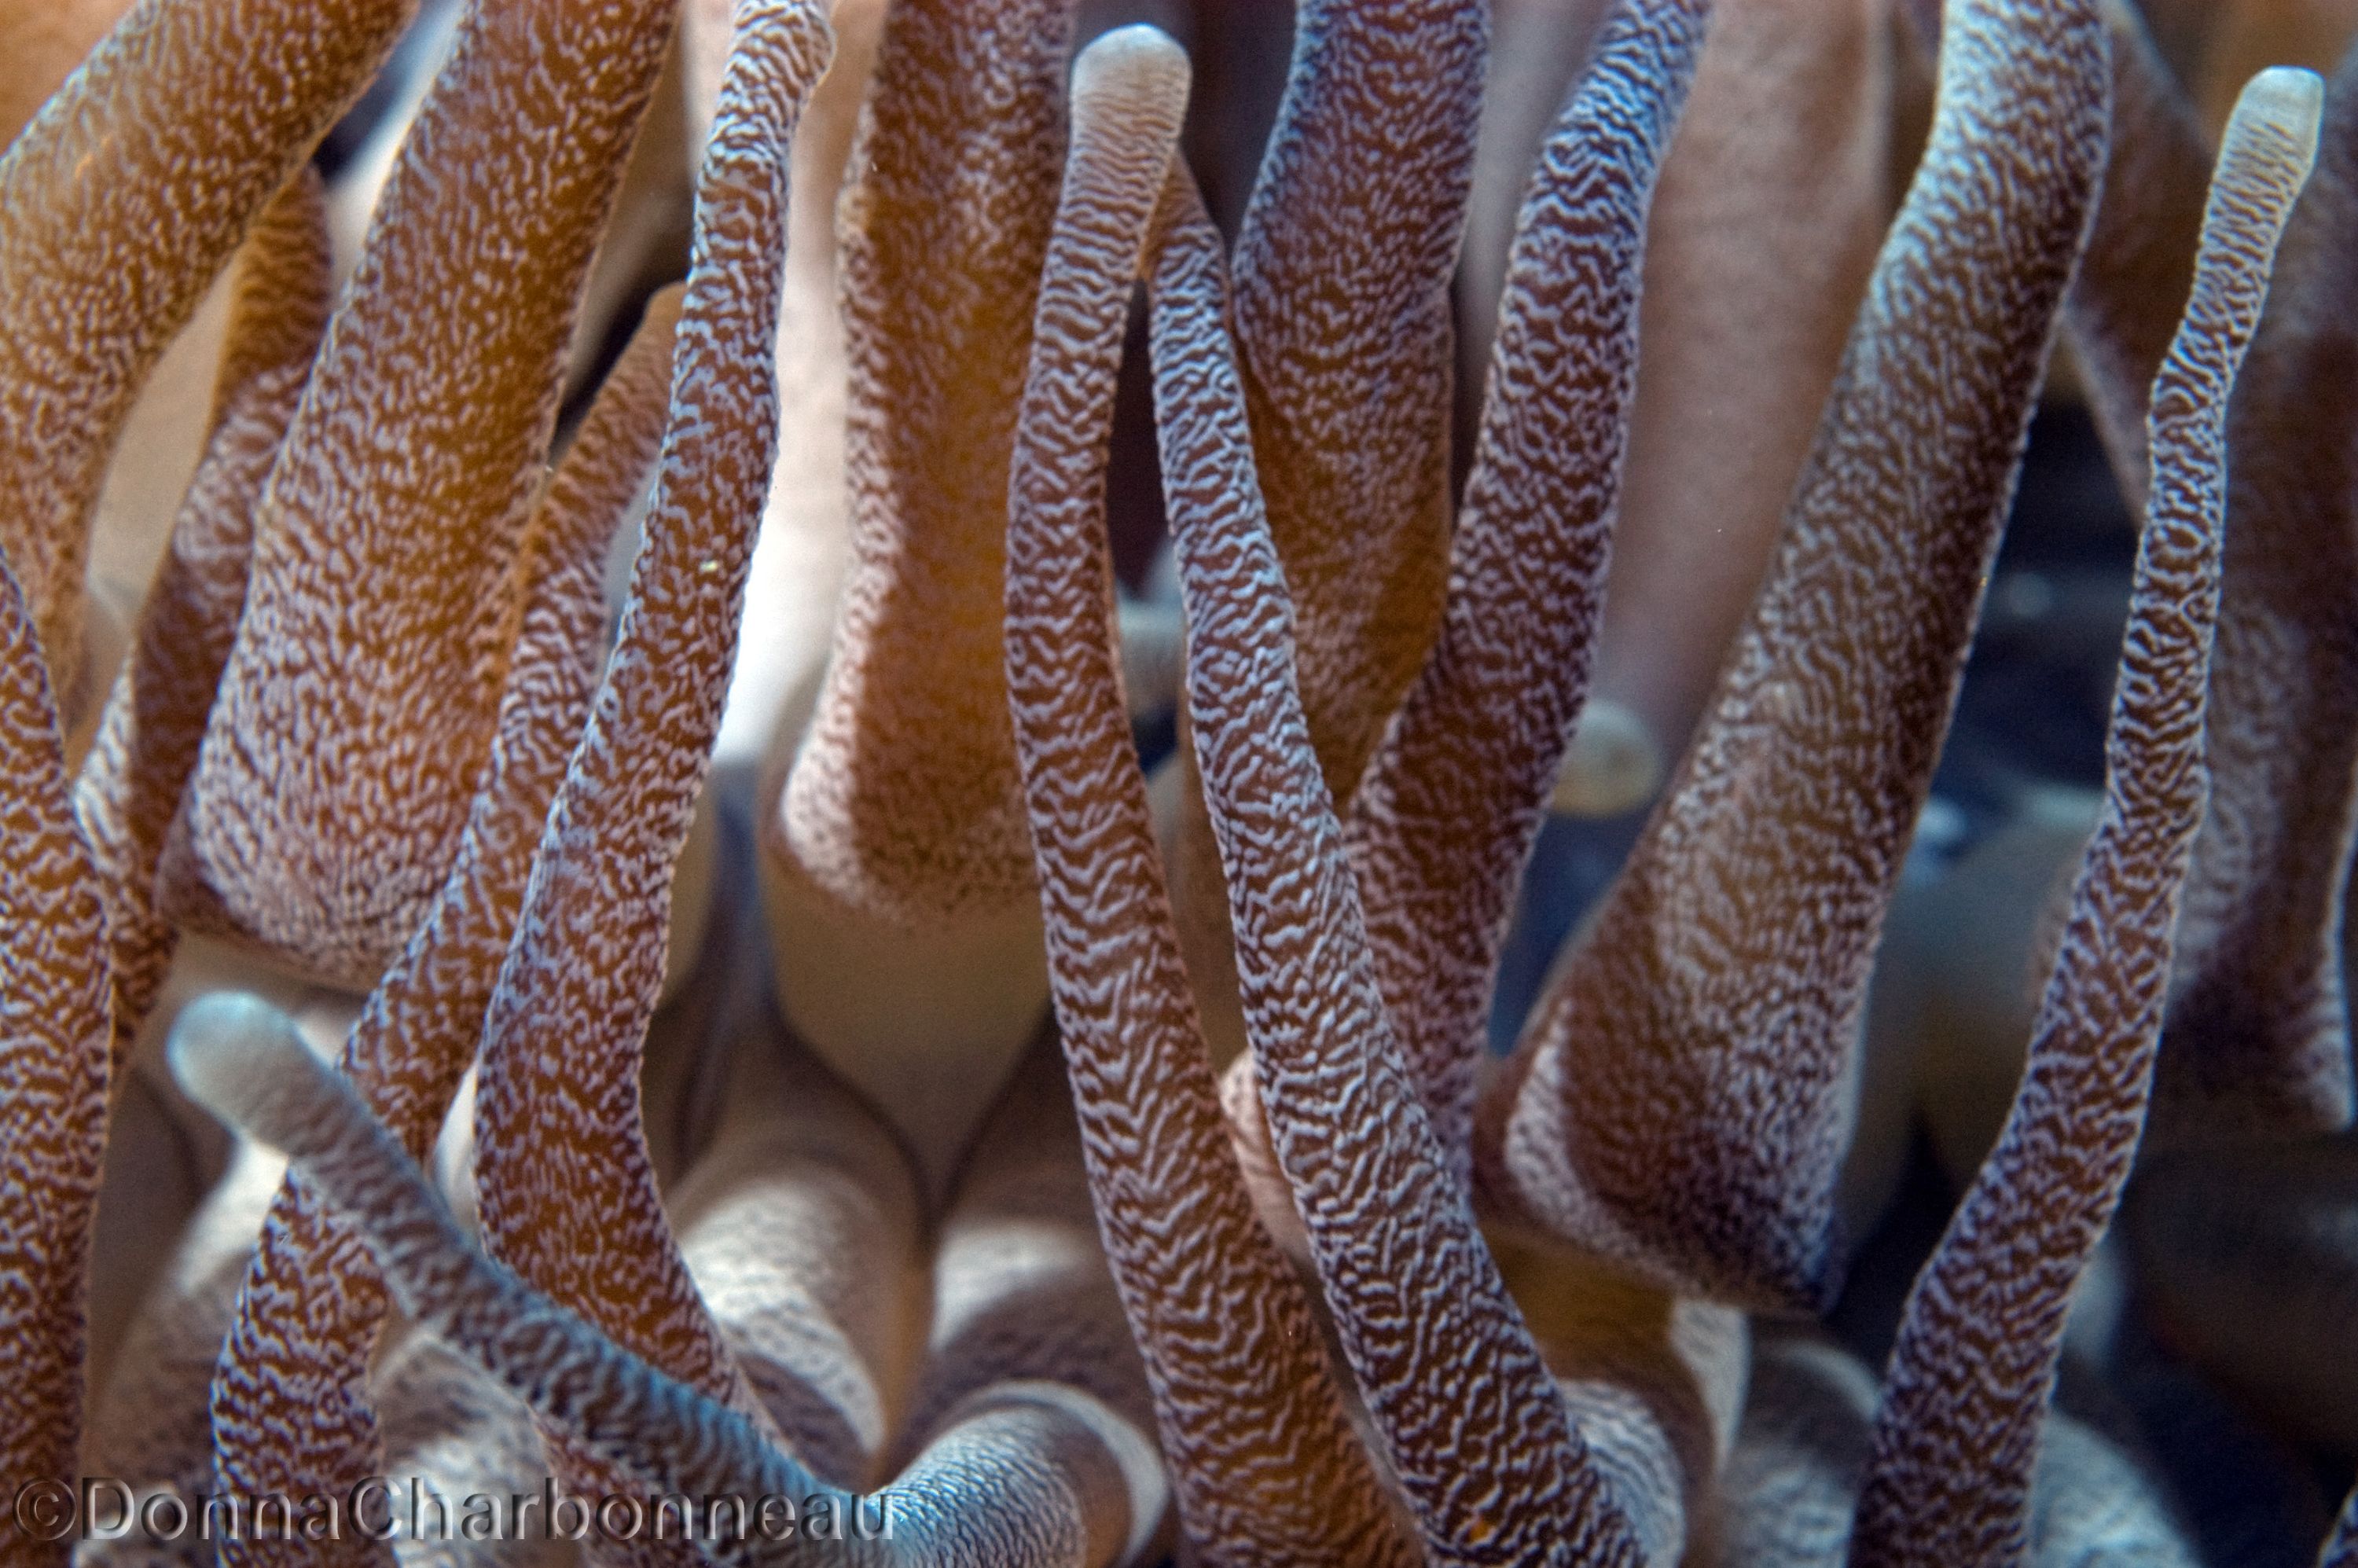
x=240, y=1058
x=2282, y=102
x=1127, y=62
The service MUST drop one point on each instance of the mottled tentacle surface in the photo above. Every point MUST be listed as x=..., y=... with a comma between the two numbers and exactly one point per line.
x=1343, y=267
x=128, y=790
x=897, y=852
x=1389, y=1226
x=2131, y=290
x=2257, y=1044
x=559, y=1124
x=291, y=1411
x=1678, y=1103
x=162, y=118
x=1445, y=819
x=1969, y=1381
x=325, y=811
x=53, y=1076
x=1221, y=1320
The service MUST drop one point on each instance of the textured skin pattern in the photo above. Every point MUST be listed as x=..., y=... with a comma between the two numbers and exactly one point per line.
x=53, y=1076
x=129, y=789
x=2125, y=305
x=1677, y=1104
x=1342, y=269
x=1973, y=1368
x=557, y=1115
x=93, y=285
x=290, y=1406
x=1291, y=1484
x=1447, y=817
x=1342, y=311
x=2258, y=1042
x=1491, y=1468
x=904, y=803
x=325, y=812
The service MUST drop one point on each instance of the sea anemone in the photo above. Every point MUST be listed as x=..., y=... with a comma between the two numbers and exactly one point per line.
x=960, y=1018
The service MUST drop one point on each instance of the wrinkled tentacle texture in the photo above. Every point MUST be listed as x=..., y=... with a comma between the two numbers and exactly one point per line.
x=1445, y=819
x=1343, y=268
x=1224, y=1324
x=290, y=1406
x=326, y=810
x=2258, y=1042
x=1343, y=265
x=129, y=789
x=558, y=1113
x=53, y=1077
x=1677, y=1104
x=1957, y=1432
x=1391, y=1234
x=93, y=285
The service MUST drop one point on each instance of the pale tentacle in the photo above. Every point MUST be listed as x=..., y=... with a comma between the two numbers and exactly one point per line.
x=802, y=1229
x=129, y=788
x=1678, y=1103
x=1021, y=1480
x=53, y=1077
x=2258, y=1043
x=1784, y=142
x=1402, y=1265
x=291, y=1411
x=162, y=118
x=1292, y=1485
x=324, y=814
x=1025, y=1312
x=1453, y=800
x=558, y=1128
x=1972, y=1374
x=898, y=872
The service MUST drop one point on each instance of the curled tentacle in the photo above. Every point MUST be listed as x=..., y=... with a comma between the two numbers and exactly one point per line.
x=53, y=1077
x=1291, y=1484
x=898, y=872
x=2258, y=1043
x=558, y=1122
